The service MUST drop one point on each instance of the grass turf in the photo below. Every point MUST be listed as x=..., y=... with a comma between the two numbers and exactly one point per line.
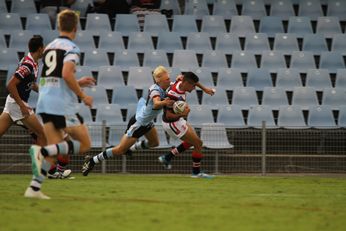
x=173, y=202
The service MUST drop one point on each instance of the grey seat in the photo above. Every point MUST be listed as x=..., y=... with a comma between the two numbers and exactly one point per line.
x=126, y=23
x=199, y=42
x=214, y=136
x=10, y=21
x=85, y=40
x=260, y=113
x=230, y=78
x=332, y=61
x=271, y=25
x=315, y=43
x=340, y=78
x=288, y=79
x=8, y=57
x=185, y=59
x=244, y=97
x=218, y=100
x=97, y=21
x=242, y=25
x=328, y=26
x=318, y=79
x=200, y=114
x=334, y=97
x=256, y=43
x=243, y=60
x=124, y=96
x=111, y=113
x=204, y=75
x=302, y=60
x=155, y=24
x=227, y=43
x=214, y=60
x=140, y=77
x=20, y=38
x=231, y=116
x=169, y=42
x=304, y=97
x=274, y=97
x=96, y=58
x=291, y=117
x=99, y=95
x=184, y=24
x=110, y=77
x=213, y=24
x=286, y=43
x=111, y=41
x=23, y=7
x=272, y=60
x=126, y=59
x=258, y=79
x=283, y=9
x=227, y=9
x=321, y=117
x=140, y=42
x=255, y=9
x=198, y=8
x=310, y=8
x=154, y=58
x=38, y=23
x=299, y=26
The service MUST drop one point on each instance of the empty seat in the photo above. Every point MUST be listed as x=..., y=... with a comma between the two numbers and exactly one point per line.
x=288, y=79
x=85, y=112
x=242, y=25
x=272, y=60
x=8, y=57
x=184, y=24
x=271, y=25
x=10, y=71
x=110, y=77
x=310, y=8
x=200, y=114
x=23, y=7
x=126, y=23
x=98, y=22
x=332, y=61
x=230, y=78
x=155, y=58
x=169, y=42
x=155, y=23
x=192, y=98
x=170, y=5
x=140, y=42
x=214, y=60
x=315, y=43
x=10, y=21
x=340, y=78
x=38, y=23
x=299, y=26
x=2, y=40
x=85, y=40
x=3, y=7
x=185, y=59
x=140, y=77
x=205, y=76
x=125, y=59
x=328, y=26
x=213, y=24
x=124, y=96
x=302, y=60
x=116, y=133
x=282, y=8
x=20, y=38
x=227, y=42
x=337, y=9
x=199, y=42
x=342, y=117
x=339, y=43
x=218, y=100
x=334, y=97
x=231, y=116
x=198, y=8
x=82, y=71
x=321, y=117
x=291, y=117
x=111, y=41
x=274, y=97
x=304, y=97
x=254, y=8
x=81, y=6
x=49, y=37
x=98, y=93
x=286, y=43
x=318, y=79
x=111, y=113
x=243, y=60
x=95, y=58
x=225, y=8
x=258, y=79
x=256, y=43
x=214, y=136
x=244, y=97
x=258, y=114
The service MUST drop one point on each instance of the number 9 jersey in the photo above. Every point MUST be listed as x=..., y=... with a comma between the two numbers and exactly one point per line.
x=55, y=97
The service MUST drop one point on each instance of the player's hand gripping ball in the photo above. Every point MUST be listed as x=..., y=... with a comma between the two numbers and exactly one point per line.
x=179, y=107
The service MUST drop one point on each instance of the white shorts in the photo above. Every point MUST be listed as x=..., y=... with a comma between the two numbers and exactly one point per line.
x=13, y=109
x=176, y=129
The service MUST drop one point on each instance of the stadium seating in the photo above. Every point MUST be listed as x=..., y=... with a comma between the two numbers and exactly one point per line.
x=283, y=9
x=154, y=58
x=272, y=60
x=227, y=42
x=274, y=97
x=99, y=95
x=110, y=77
x=291, y=117
x=337, y=9
x=185, y=59
x=231, y=116
x=19, y=39
x=304, y=97
x=242, y=25
x=155, y=24
x=184, y=24
x=200, y=114
x=328, y=26
x=98, y=22
x=124, y=96
x=23, y=7
x=318, y=79
x=170, y=5
x=218, y=100
x=214, y=136
x=10, y=21
x=111, y=41
x=302, y=60
x=258, y=79
x=214, y=60
x=111, y=113
x=169, y=42
x=331, y=61
x=199, y=42
x=140, y=42
x=198, y=8
x=321, y=117
x=126, y=23
x=140, y=77
x=243, y=60
x=213, y=24
x=286, y=43
x=334, y=97
x=38, y=23
x=227, y=9
x=315, y=43
x=256, y=43
x=126, y=59
x=96, y=58
x=288, y=79
x=258, y=114
x=85, y=40
x=230, y=78
x=8, y=57
x=254, y=8
x=244, y=97
x=271, y=25
x=310, y=8
x=299, y=26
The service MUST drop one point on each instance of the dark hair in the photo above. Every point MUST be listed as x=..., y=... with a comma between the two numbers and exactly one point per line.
x=35, y=43
x=190, y=76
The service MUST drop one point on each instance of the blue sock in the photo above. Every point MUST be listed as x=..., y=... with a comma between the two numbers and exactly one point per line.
x=37, y=181
x=103, y=156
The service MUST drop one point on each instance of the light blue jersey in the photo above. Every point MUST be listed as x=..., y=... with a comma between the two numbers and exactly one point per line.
x=145, y=112
x=55, y=97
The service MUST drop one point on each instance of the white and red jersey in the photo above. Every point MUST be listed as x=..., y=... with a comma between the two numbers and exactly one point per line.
x=175, y=93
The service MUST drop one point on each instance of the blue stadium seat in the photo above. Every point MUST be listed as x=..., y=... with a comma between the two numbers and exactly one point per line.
x=256, y=43
x=38, y=23
x=304, y=97
x=140, y=42
x=111, y=113
x=23, y=7
x=230, y=78
x=258, y=79
x=111, y=41
x=321, y=117
x=205, y=76
x=124, y=96
x=339, y=43
x=85, y=112
x=83, y=71
x=213, y=24
x=214, y=136
x=318, y=79
x=286, y=43
x=115, y=134
x=218, y=100
x=334, y=97
x=242, y=25
x=169, y=42
x=184, y=24
x=227, y=43
x=272, y=60
x=302, y=60
x=20, y=38
x=199, y=42
x=192, y=98
x=9, y=22
x=214, y=60
x=110, y=77
x=288, y=79
x=315, y=43
x=96, y=58
x=3, y=7
x=81, y=6
x=85, y=40
x=342, y=117
x=200, y=114
x=244, y=97
x=198, y=8
x=125, y=59
x=299, y=26
x=155, y=58
x=32, y=101
x=10, y=71
x=155, y=24
x=170, y=5
x=332, y=61
x=185, y=59
x=126, y=23
x=99, y=95
x=98, y=22
x=328, y=26
x=227, y=9
x=231, y=116
x=243, y=60
x=254, y=8
x=310, y=8
x=340, y=78
x=337, y=9
x=258, y=114
x=49, y=37
x=271, y=25
x=282, y=8
x=291, y=117
x=8, y=57
x=274, y=97
x=140, y=77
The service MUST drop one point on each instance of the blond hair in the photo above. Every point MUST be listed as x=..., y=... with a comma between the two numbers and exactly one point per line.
x=67, y=20
x=158, y=72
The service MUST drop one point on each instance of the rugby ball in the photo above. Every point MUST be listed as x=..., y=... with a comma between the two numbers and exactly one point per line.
x=179, y=106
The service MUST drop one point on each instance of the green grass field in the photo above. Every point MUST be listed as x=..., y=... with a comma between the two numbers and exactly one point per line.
x=173, y=202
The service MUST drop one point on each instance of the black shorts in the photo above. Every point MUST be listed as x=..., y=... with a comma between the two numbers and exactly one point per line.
x=60, y=121
x=137, y=130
